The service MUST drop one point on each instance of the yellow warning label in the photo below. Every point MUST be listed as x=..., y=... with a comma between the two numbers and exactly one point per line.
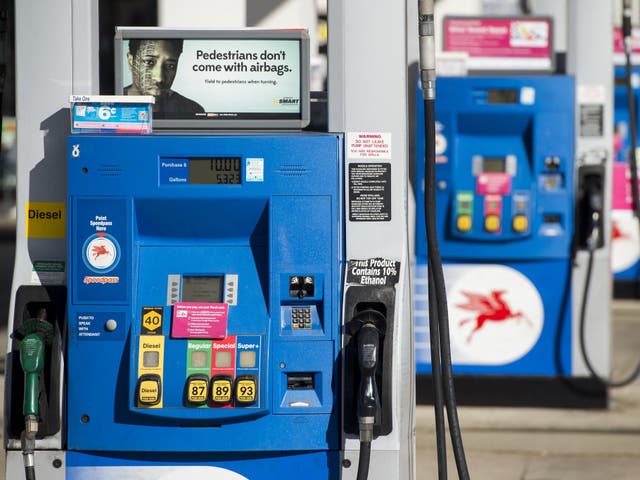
x=45, y=220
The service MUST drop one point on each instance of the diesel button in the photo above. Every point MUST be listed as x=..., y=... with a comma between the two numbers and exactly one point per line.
x=149, y=390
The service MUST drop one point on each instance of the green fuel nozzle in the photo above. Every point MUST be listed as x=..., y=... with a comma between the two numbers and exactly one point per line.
x=32, y=362
x=35, y=333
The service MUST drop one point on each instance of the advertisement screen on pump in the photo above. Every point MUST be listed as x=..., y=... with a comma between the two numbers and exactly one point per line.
x=203, y=79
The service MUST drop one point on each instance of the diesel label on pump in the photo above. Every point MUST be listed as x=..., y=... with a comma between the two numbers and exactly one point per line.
x=370, y=192
x=373, y=271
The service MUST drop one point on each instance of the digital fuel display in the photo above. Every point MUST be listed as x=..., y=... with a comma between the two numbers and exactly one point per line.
x=502, y=96
x=214, y=171
x=494, y=165
x=202, y=289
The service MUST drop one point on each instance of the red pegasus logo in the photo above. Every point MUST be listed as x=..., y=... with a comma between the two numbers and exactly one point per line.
x=616, y=233
x=99, y=250
x=490, y=308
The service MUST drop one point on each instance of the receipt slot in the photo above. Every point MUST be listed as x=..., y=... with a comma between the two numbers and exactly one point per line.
x=204, y=304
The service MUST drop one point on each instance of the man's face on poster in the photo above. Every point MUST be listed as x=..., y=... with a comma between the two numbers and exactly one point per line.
x=153, y=67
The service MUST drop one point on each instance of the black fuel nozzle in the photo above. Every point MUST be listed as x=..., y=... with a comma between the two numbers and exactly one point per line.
x=368, y=403
x=596, y=205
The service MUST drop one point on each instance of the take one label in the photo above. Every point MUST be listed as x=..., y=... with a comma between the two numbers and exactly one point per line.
x=199, y=320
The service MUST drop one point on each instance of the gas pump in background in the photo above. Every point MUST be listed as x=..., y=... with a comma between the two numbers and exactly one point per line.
x=625, y=233
x=505, y=185
x=513, y=210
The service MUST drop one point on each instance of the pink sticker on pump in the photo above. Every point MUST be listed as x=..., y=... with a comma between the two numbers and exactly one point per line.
x=493, y=184
x=199, y=320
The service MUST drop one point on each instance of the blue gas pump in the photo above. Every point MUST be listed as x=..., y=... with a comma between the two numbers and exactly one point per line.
x=204, y=306
x=625, y=239
x=505, y=194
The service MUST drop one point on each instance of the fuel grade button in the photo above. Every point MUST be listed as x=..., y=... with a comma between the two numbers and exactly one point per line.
x=221, y=389
x=246, y=390
x=197, y=389
x=149, y=390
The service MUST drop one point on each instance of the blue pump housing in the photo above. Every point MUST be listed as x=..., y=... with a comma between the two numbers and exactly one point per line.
x=505, y=195
x=247, y=232
x=625, y=250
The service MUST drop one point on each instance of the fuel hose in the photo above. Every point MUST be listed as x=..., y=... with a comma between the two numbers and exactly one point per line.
x=437, y=289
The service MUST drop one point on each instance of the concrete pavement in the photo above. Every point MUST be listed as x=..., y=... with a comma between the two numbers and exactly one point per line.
x=546, y=444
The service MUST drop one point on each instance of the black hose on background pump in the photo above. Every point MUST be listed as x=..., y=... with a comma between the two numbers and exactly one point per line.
x=596, y=204
x=443, y=380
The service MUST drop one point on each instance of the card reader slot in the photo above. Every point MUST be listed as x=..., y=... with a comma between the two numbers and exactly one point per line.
x=300, y=381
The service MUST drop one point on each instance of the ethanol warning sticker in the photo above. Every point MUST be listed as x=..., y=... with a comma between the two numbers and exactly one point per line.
x=373, y=271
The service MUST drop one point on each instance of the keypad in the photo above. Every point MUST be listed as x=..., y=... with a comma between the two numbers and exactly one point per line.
x=301, y=318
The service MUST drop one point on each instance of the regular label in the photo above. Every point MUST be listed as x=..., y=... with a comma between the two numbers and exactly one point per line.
x=373, y=271
x=370, y=192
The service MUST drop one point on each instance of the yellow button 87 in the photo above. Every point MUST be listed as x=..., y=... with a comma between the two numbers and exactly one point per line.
x=197, y=389
x=463, y=223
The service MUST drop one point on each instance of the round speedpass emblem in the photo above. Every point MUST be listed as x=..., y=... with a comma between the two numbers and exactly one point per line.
x=101, y=253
